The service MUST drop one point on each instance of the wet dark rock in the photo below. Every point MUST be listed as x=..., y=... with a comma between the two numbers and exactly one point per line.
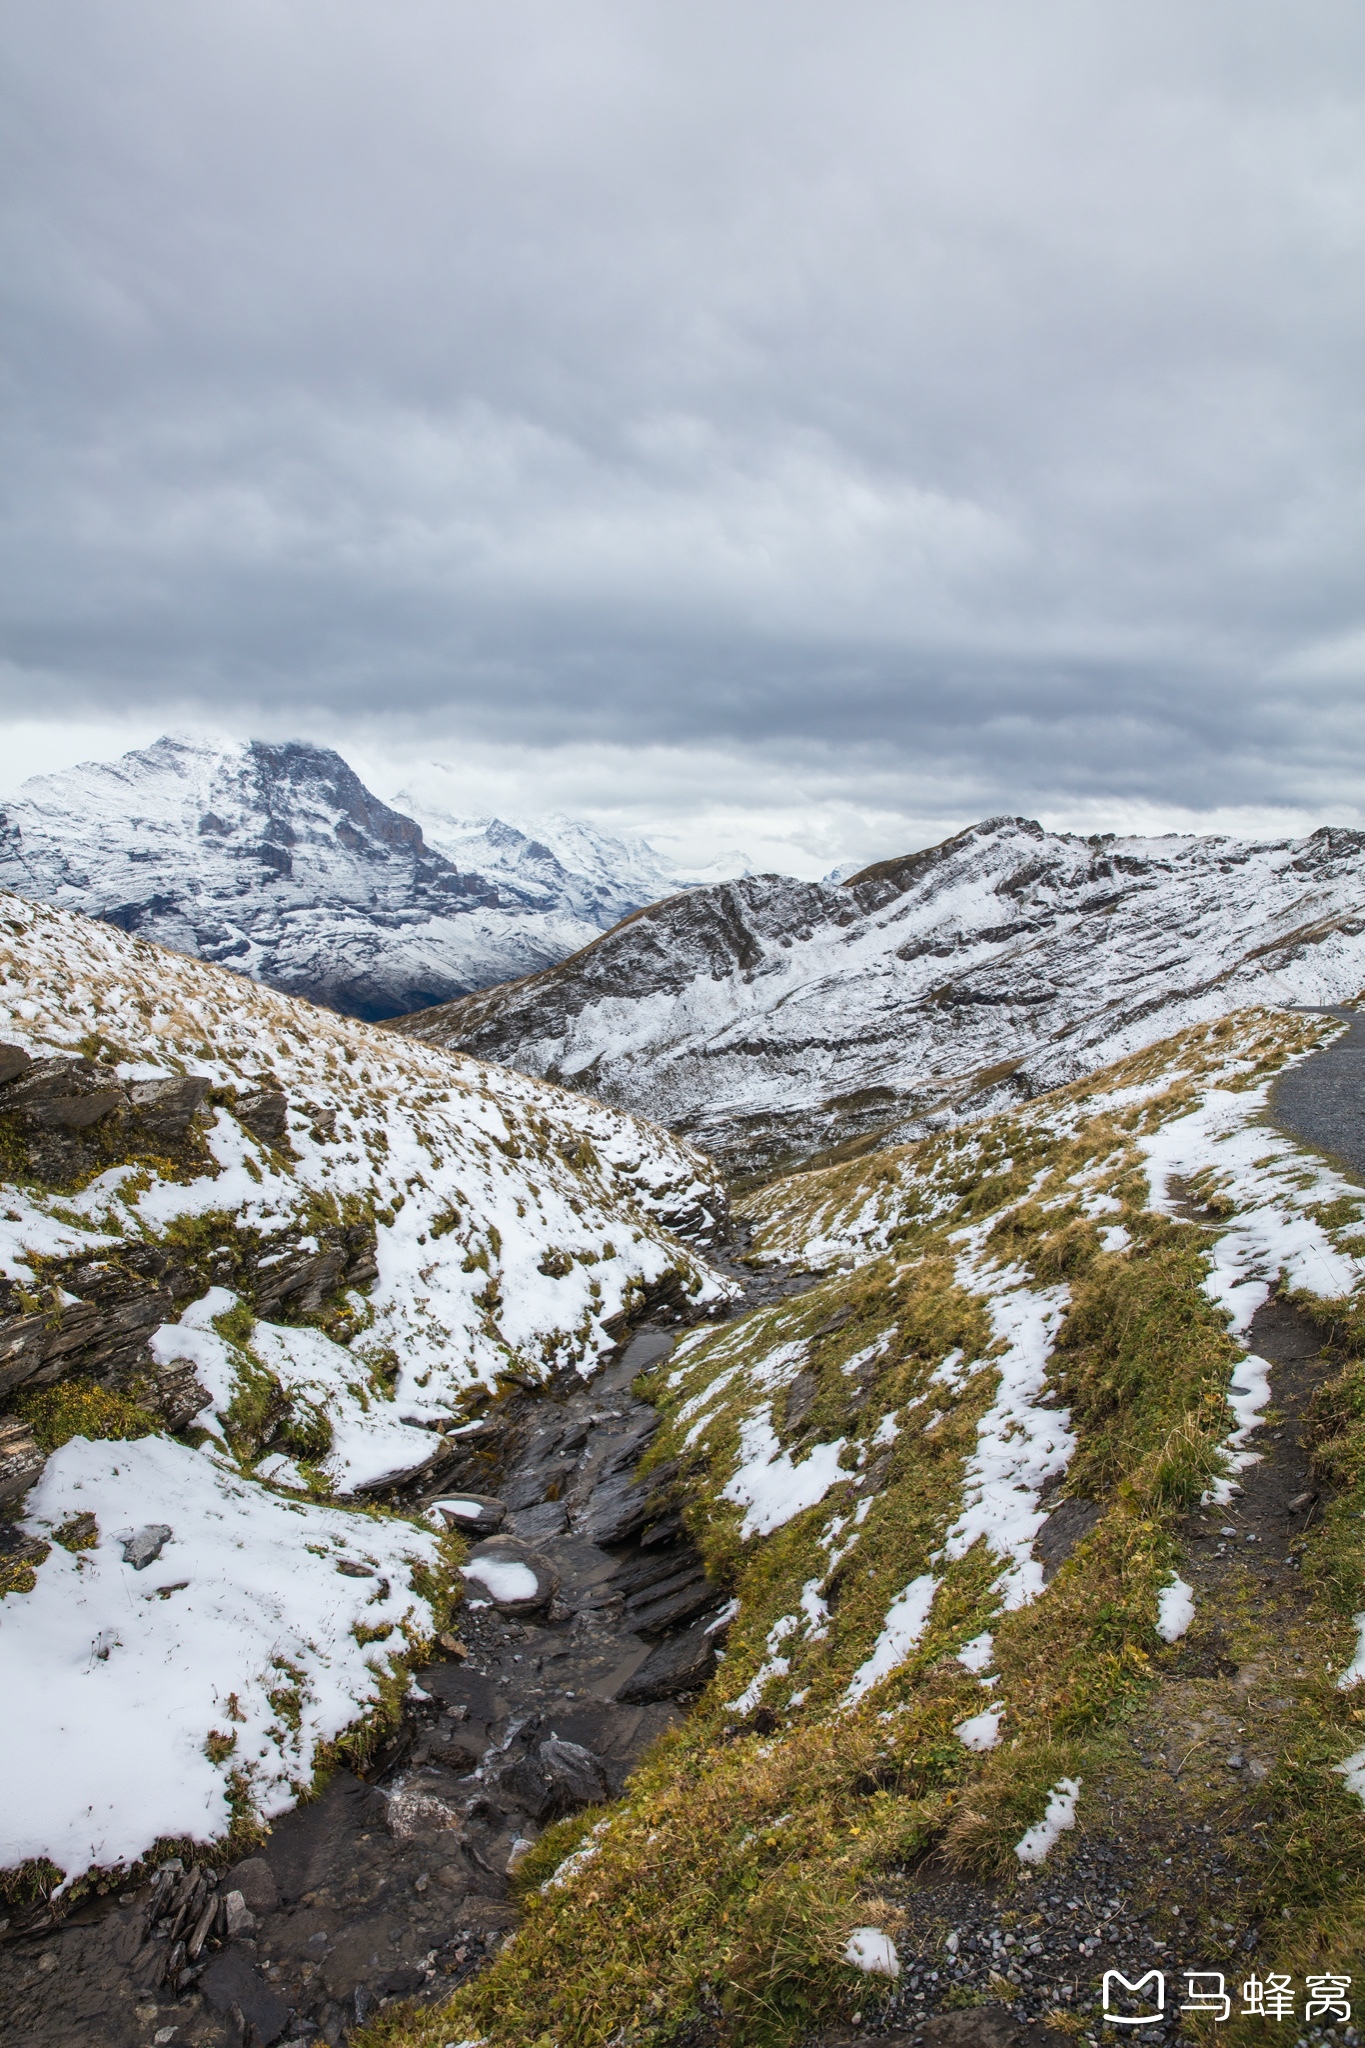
x=21, y=1461
x=145, y=1545
x=539, y=1524
x=677, y=1665
x=231, y=1979
x=1067, y=1526
x=478, y=1514
x=503, y=1587
x=555, y=1779
x=255, y=1880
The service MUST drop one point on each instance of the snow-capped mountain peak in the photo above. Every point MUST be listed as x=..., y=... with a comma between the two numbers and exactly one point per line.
x=275, y=859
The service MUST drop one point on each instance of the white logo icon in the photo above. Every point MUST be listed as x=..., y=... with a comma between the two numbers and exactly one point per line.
x=1113, y=1981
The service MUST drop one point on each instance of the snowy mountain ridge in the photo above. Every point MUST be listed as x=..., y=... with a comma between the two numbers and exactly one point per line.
x=773, y=1020
x=275, y=860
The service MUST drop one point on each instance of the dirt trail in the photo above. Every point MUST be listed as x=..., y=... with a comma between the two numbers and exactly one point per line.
x=395, y=1884
x=1169, y=1839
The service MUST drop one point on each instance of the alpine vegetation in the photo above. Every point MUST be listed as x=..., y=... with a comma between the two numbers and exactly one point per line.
x=259, y=1267
x=973, y=1498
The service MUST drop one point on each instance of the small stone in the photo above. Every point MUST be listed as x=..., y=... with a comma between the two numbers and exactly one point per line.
x=145, y=1546
x=452, y=1645
x=1236, y=1760
x=255, y=1880
x=238, y=1918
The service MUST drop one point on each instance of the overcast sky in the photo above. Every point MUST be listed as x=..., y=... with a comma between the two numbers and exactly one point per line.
x=802, y=427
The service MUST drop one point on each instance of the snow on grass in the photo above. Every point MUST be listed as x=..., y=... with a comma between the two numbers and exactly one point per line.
x=1020, y=1443
x=114, y=1680
x=472, y=1175
x=769, y=1485
x=1174, y=1610
x=905, y=1623
x=1035, y=1846
x=1355, y=1670
x=872, y=1951
x=369, y=1444
x=981, y=1731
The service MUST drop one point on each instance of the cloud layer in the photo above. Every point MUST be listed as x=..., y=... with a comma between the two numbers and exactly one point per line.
x=962, y=400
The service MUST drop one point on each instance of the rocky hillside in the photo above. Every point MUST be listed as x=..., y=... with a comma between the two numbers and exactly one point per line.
x=260, y=1266
x=774, y=1020
x=276, y=861
x=1040, y=1516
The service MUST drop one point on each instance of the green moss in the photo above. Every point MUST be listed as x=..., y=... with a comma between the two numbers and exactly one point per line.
x=83, y=1408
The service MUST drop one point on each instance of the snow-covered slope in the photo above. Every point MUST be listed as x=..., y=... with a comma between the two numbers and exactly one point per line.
x=276, y=861
x=554, y=864
x=773, y=1019
x=276, y=1249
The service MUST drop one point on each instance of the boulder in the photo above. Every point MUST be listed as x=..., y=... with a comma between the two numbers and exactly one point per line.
x=478, y=1514
x=166, y=1106
x=255, y=1880
x=555, y=1779
x=13, y=1062
x=510, y=1575
x=145, y=1545
x=231, y=1980
x=21, y=1461
x=63, y=1095
x=264, y=1113
x=681, y=1663
x=426, y=1803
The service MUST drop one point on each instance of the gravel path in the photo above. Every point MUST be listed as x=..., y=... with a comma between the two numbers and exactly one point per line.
x=1321, y=1102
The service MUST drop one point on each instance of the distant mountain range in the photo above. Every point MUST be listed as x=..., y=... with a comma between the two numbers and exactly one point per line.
x=776, y=1021
x=277, y=861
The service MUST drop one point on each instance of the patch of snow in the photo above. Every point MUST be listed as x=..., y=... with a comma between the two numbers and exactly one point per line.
x=1353, y=1771
x=1060, y=1815
x=978, y=1653
x=1020, y=1444
x=906, y=1620
x=981, y=1731
x=578, y=1859
x=113, y=1680
x=504, y=1577
x=1174, y=1610
x=870, y=1950
x=769, y=1486
x=1355, y=1670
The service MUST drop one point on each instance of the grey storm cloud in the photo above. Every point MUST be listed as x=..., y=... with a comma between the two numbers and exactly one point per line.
x=974, y=385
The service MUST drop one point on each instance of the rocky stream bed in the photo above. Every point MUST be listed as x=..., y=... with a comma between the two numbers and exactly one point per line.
x=594, y=1629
